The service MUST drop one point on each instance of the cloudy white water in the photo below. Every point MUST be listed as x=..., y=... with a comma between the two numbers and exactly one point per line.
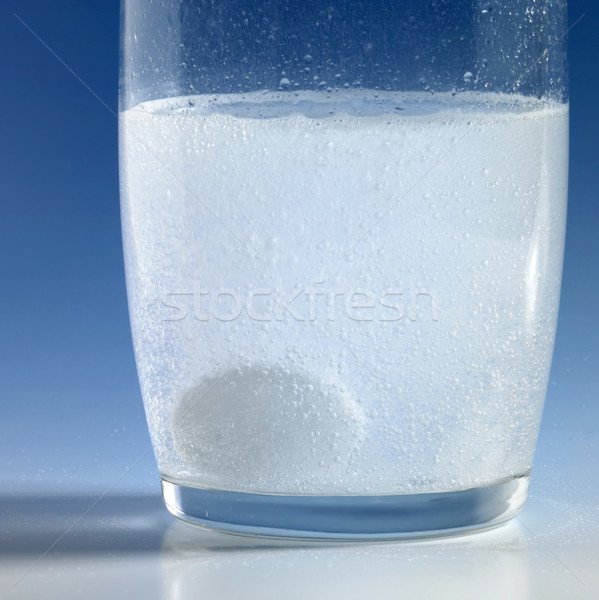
x=343, y=295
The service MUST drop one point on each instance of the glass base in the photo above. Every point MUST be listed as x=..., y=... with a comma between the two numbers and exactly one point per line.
x=348, y=517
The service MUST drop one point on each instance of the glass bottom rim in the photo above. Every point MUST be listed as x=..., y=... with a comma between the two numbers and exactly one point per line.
x=349, y=517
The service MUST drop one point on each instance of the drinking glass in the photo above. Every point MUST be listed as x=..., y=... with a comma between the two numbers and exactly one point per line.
x=343, y=227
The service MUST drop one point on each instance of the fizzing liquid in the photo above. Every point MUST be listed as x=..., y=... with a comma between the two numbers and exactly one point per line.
x=343, y=294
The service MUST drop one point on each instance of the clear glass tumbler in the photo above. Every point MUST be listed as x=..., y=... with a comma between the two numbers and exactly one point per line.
x=343, y=228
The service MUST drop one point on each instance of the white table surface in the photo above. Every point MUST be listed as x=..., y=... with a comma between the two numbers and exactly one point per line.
x=128, y=547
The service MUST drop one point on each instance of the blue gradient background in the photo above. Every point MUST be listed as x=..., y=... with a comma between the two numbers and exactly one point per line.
x=72, y=415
